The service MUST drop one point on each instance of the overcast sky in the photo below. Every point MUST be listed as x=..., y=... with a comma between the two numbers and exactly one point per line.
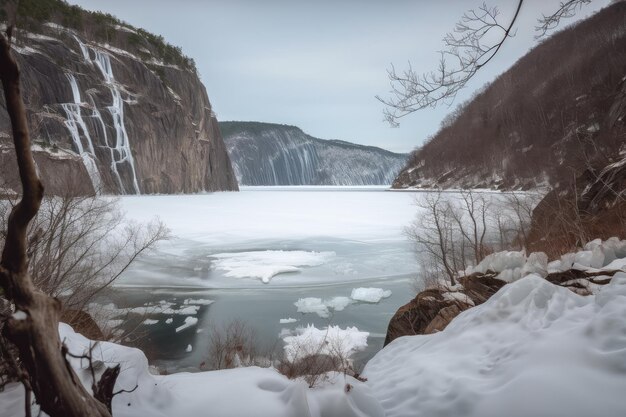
x=318, y=64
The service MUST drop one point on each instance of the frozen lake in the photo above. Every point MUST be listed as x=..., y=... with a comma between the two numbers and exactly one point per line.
x=232, y=240
x=256, y=252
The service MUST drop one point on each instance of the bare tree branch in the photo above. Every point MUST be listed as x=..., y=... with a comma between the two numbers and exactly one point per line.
x=476, y=39
x=467, y=49
x=566, y=9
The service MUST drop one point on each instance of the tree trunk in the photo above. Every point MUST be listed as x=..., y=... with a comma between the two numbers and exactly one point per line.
x=34, y=327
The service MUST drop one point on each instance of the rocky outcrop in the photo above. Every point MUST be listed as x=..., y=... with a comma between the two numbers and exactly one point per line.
x=434, y=308
x=271, y=154
x=580, y=282
x=107, y=117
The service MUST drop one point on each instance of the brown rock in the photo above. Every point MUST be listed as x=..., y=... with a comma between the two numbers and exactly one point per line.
x=579, y=281
x=415, y=316
x=444, y=317
x=430, y=311
x=480, y=287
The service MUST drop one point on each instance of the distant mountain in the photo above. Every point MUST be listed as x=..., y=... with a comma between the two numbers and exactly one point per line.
x=273, y=154
x=559, y=110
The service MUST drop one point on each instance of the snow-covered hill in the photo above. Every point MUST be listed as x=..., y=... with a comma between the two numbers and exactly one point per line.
x=271, y=154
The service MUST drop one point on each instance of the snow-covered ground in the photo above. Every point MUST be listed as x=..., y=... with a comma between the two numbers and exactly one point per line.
x=238, y=392
x=534, y=349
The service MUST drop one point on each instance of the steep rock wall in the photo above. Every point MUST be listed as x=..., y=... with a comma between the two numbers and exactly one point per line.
x=118, y=122
x=271, y=154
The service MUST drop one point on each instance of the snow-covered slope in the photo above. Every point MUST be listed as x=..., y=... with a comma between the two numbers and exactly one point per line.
x=240, y=392
x=534, y=349
x=271, y=154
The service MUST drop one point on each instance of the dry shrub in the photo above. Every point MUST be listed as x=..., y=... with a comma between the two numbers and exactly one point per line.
x=314, y=361
x=560, y=225
x=77, y=247
x=233, y=345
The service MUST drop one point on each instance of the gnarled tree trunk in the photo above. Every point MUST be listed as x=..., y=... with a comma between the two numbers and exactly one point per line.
x=34, y=326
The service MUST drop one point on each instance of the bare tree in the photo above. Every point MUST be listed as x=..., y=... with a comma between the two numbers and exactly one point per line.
x=455, y=230
x=33, y=328
x=79, y=246
x=517, y=211
x=432, y=233
x=473, y=43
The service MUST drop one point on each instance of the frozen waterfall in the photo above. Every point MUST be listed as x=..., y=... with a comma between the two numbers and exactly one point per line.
x=75, y=124
x=118, y=147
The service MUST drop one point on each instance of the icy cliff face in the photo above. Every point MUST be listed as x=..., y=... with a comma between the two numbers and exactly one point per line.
x=271, y=154
x=117, y=122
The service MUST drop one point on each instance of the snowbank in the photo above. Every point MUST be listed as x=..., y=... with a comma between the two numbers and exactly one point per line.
x=597, y=255
x=532, y=349
x=218, y=393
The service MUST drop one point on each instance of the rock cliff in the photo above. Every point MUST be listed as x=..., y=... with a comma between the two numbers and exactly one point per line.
x=111, y=113
x=272, y=154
